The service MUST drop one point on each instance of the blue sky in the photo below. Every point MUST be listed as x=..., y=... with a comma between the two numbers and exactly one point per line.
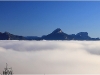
x=42, y=17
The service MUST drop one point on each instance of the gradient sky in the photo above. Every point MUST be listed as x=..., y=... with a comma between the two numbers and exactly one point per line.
x=42, y=17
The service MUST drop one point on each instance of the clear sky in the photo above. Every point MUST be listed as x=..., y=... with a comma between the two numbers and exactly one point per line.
x=37, y=18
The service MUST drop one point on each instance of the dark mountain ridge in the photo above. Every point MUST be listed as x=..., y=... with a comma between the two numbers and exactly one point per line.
x=57, y=34
x=8, y=36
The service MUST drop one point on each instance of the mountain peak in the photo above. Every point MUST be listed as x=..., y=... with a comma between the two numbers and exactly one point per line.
x=58, y=30
x=82, y=34
x=6, y=32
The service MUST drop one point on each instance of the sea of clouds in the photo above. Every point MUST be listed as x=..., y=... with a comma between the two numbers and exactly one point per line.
x=51, y=57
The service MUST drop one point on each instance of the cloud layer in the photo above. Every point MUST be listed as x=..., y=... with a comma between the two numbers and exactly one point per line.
x=51, y=57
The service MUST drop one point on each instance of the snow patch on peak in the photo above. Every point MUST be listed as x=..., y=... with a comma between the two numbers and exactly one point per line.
x=60, y=31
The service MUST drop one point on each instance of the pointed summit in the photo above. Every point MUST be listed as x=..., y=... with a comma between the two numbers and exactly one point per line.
x=57, y=34
x=58, y=30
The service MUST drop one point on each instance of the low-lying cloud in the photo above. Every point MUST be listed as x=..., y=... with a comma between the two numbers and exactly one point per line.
x=51, y=57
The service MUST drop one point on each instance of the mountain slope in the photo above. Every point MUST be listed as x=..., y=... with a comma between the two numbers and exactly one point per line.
x=8, y=36
x=57, y=34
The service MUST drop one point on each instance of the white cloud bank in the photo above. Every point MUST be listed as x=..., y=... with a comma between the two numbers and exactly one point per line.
x=51, y=57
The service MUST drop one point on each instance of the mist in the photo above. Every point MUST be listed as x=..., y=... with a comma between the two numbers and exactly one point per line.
x=51, y=57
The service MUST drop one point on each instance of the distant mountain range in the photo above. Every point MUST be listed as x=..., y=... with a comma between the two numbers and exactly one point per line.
x=57, y=34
